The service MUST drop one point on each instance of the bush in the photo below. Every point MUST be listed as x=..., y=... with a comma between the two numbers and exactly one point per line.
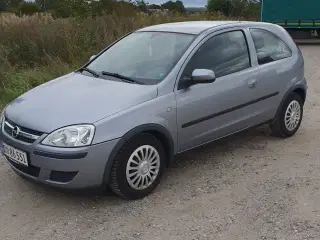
x=28, y=8
x=14, y=11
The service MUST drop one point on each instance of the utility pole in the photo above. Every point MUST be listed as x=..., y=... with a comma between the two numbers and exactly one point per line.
x=44, y=5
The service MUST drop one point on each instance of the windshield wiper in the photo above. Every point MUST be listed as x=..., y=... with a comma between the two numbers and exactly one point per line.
x=122, y=77
x=89, y=71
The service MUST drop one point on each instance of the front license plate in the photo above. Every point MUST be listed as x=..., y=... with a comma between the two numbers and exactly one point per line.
x=15, y=154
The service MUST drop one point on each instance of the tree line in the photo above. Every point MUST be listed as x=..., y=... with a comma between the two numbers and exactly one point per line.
x=84, y=8
x=235, y=8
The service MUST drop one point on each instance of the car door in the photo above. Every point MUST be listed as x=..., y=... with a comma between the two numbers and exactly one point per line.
x=209, y=111
x=273, y=56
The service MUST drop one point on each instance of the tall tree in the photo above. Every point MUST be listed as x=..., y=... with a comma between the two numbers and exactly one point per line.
x=14, y=3
x=238, y=7
x=180, y=6
x=80, y=8
x=3, y=5
x=47, y=4
x=102, y=6
x=174, y=6
x=58, y=8
x=154, y=6
x=142, y=5
x=29, y=8
x=224, y=6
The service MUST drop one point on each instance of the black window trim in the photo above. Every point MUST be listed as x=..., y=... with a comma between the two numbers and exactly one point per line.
x=276, y=36
x=224, y=32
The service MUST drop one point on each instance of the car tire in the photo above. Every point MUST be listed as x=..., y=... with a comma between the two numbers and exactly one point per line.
x=288, y=119
x=128, y=171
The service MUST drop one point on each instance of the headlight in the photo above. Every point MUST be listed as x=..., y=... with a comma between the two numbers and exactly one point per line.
x=72, y=136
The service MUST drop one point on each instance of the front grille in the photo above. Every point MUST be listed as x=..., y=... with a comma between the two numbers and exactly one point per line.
x=62, y=177
x=8, y=124
x=8, y=130
x=30, y=170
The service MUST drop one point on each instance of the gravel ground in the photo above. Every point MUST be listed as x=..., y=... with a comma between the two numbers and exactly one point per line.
x=248, y=186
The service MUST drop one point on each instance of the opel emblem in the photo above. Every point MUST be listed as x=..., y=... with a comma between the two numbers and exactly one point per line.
x=15, y=132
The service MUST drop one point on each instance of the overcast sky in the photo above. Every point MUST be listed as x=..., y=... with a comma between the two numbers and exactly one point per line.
x=188, y=3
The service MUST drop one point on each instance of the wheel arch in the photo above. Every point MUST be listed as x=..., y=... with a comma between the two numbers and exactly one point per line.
x=160, y=132
x=301, y=92
x=299, y=88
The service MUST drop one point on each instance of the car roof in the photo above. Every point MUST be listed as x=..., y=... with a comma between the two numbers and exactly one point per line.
x=193, y=27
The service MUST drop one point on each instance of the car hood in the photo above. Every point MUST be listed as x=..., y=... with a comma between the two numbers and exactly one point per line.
x=75, y=99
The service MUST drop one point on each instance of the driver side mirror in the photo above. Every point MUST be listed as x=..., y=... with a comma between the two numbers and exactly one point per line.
x=92, y=57
x=203, y=76
x=199, y=76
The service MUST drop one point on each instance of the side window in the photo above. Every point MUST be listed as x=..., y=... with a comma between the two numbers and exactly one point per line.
x=269, y=47
x=224, y=54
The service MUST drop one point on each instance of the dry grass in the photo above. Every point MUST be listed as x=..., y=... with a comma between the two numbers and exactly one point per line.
x=9, y=19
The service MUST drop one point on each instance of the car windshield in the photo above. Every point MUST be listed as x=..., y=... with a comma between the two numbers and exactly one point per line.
x=144, y=56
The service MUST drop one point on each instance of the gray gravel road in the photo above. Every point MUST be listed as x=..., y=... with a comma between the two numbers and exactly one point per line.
x=248, y=186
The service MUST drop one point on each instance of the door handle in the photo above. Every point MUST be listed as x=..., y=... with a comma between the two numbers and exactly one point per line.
x=252, y=83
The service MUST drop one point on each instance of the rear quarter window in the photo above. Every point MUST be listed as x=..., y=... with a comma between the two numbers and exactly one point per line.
x=269, y=47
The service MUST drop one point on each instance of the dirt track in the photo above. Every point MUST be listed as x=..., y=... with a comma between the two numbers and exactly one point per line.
x=248, y=186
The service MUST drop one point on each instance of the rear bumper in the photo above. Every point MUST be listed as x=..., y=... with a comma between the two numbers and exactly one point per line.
x=65, y=168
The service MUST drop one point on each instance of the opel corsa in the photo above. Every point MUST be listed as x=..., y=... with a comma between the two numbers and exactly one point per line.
x=154, y=93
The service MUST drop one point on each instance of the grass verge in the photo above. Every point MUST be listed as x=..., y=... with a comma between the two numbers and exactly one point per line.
x=15, y=82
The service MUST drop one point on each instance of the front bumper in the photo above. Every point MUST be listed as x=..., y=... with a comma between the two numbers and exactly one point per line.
x=66, y=168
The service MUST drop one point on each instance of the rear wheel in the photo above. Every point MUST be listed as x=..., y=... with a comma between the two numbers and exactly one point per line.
x=138, y=167
x=288, y=119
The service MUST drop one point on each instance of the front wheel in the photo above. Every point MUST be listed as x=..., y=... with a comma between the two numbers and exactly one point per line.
x=138, y=167
x=288, y=119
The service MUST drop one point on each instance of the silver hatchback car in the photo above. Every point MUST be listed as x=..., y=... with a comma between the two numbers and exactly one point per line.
x=154, y=93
